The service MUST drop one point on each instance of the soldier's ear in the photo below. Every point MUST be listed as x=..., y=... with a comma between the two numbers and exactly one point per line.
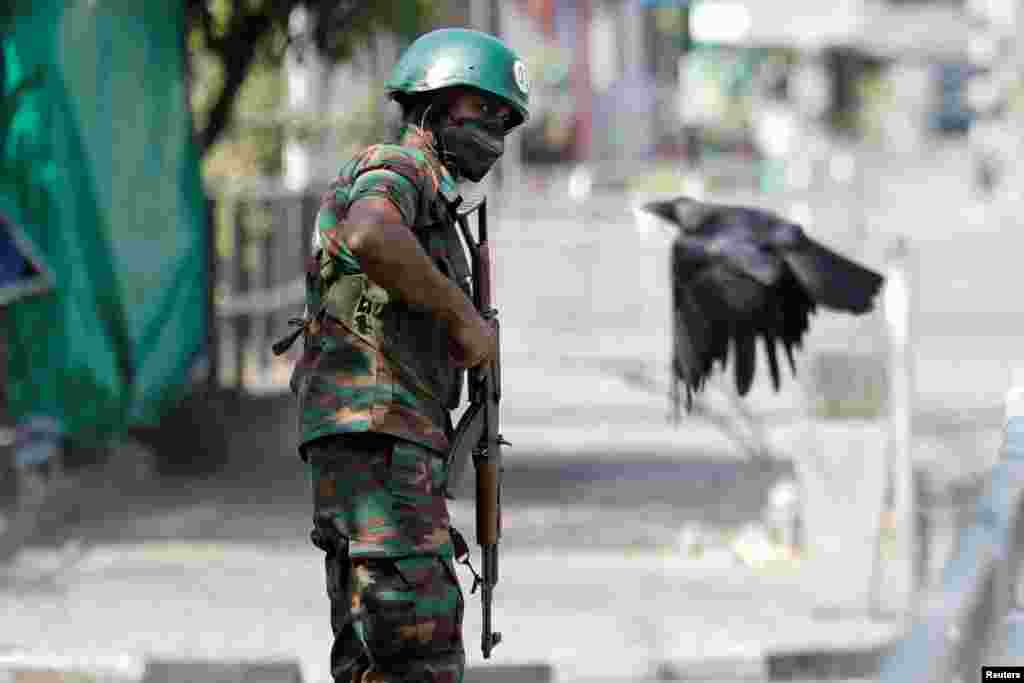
x=420, y=110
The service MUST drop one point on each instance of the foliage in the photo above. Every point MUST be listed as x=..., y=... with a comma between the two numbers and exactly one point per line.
x=237, y=43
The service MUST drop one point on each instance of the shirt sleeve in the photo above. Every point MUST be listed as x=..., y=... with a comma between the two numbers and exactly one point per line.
x=328, y=238
x=377, y=182
x=395, y=187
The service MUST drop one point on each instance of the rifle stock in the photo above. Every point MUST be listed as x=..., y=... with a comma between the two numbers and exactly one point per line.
x=478, y=432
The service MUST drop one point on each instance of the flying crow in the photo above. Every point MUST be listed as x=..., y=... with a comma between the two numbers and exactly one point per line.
x=741, y=273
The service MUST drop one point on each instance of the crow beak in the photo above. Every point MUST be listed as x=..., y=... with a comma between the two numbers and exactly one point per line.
x=650, y=223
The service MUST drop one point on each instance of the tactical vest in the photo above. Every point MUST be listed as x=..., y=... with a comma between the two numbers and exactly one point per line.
x=414, y=341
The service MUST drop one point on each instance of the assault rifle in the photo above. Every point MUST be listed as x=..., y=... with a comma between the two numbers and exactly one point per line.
x=477, y=434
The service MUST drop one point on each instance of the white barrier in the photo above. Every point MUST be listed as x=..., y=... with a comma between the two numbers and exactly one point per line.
x=972, y=616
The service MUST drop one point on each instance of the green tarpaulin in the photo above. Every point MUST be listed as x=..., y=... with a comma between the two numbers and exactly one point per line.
x=22, y=271
x=97, y=166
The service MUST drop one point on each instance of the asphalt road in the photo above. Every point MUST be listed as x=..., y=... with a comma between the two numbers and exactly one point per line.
x=551, y=500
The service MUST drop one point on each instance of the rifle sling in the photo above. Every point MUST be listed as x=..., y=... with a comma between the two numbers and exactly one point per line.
x=462, y=556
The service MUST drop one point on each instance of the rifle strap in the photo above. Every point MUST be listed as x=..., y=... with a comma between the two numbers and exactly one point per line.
x=462, y=557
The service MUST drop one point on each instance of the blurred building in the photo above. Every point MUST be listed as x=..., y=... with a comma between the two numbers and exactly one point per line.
x=592, y=69
x=622, y=80
x=922, y=45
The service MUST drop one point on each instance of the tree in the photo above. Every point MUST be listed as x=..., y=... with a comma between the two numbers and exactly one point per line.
x=241, y=34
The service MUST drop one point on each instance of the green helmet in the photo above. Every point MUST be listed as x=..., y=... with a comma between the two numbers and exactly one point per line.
x=457, y=56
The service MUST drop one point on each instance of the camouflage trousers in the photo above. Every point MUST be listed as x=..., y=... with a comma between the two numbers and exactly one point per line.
x=382, y=521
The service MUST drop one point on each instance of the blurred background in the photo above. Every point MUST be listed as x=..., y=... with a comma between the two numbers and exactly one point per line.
x=163, y=167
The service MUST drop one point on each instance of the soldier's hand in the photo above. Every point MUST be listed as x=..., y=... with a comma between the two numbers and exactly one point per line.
x=474, y=341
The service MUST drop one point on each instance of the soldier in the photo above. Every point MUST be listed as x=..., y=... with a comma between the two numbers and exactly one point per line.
x=390, y=326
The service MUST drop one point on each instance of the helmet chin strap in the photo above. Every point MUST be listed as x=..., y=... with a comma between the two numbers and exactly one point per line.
x=434, y=143
x=423, y=117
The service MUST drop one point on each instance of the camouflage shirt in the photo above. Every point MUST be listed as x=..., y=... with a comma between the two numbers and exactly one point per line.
x=372, y=362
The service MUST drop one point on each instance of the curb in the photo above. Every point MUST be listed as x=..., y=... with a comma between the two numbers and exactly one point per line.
x=41, y=668
x=817, y=665
x=166, y=671
x=827, y=664
x=840, y=664
x=21, y=667
x=712, y=669
x=511, y=673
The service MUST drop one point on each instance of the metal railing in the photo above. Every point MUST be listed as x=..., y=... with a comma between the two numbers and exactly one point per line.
x=262, y=238
x=974, y=616
x=263, y=234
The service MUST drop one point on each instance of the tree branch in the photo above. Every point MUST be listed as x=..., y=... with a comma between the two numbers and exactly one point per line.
x=341, y=16
x=215, y=42
x=237, y=50
x=741, y=426
x=249, y=37
x=334, y=20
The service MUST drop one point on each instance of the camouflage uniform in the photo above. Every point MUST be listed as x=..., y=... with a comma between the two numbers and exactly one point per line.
x=375, y=384
x=372, y=363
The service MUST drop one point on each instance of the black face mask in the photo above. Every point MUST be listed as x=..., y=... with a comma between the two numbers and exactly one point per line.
x=472, y=146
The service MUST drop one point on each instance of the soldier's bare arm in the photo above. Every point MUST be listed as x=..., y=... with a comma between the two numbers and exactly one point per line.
x=391, y=256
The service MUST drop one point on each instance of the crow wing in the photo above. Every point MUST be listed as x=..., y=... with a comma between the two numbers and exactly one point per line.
x=739, y=274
